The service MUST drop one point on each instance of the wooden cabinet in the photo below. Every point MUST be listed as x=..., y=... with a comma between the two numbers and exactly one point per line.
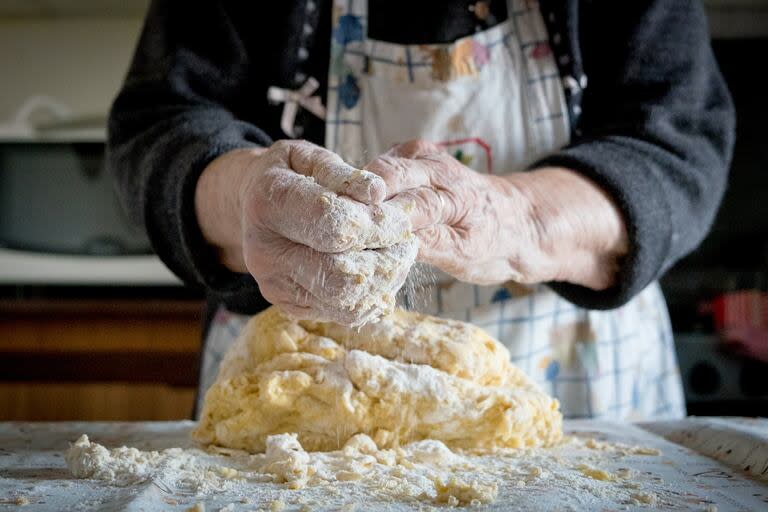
x=98, y=359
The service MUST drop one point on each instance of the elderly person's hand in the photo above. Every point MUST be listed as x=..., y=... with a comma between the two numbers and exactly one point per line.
x=545, y=225
x=304, y=224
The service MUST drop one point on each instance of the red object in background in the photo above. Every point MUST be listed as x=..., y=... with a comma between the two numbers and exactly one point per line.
x=741, y=318
x=486, y=148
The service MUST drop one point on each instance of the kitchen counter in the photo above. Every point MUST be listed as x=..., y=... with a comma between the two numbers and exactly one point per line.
x=703, y=464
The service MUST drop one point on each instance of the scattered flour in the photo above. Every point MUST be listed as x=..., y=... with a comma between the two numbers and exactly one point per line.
x=424, y=473
x=121, y=466
x=126, y=466
x=622, y=448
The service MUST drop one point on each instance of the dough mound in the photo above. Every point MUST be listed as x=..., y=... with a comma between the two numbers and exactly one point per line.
x=406, y=378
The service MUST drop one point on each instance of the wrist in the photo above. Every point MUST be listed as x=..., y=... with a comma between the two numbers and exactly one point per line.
x=218, y=204
x=579, y=230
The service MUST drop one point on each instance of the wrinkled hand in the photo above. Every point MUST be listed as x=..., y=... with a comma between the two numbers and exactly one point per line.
x=313, y=231
x=550, y=224
x=473, y=226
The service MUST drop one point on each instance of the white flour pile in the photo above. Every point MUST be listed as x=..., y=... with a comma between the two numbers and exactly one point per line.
x=423, y=473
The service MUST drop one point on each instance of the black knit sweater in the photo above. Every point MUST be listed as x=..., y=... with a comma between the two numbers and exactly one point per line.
x=654, y=125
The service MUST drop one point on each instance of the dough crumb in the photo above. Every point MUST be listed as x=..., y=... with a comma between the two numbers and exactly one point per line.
x=643, y=498
x=226, y=472
x=457, y=491
x=621, y=448
x=595, y=473
x=286, y=459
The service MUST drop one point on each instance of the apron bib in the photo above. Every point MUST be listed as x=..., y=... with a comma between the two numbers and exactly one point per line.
x=495, y=101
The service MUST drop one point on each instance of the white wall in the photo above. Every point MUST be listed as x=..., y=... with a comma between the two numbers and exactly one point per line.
x=79, y=61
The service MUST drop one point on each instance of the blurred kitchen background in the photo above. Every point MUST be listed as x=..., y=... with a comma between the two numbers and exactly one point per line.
x=92, y=326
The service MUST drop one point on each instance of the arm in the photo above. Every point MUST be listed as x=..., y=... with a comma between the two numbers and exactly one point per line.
x=580, y=230
x=178, y=111
x=657, y=132
x=607, y=215
x=225, y=207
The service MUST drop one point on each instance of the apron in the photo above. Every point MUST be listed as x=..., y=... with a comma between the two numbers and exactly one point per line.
x=495, y=101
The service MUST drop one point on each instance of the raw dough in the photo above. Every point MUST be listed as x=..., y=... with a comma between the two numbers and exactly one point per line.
x=406, y=378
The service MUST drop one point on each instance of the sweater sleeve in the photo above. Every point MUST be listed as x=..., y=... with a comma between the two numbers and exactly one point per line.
x=656, y=133
x=178, y=110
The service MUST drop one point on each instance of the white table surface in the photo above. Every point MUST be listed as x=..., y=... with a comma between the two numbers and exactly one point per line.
x=32, y=466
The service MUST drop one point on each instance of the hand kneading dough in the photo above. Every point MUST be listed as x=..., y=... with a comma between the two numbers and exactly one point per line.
x=408, y=377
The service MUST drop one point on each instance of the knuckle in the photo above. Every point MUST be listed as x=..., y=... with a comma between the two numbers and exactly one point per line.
x=378, y=165
x=282, y=145
x=417, y=147
x=391, y=169
x=423, y=146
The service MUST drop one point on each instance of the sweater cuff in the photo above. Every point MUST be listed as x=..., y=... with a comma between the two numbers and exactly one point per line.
x=614, y=165
x=188, y=254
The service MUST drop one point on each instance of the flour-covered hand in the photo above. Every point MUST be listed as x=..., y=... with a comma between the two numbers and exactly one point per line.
x=312, y=230
x=549, y=224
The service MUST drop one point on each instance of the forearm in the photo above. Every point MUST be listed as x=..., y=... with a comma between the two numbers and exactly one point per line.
x=176, y=113
x=218, y=204
x=579, y=229
x=656, y=133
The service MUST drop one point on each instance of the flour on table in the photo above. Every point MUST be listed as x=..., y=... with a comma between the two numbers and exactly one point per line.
x=406, y=378
x=125, y=466
x=410, y=410
x=421, y=473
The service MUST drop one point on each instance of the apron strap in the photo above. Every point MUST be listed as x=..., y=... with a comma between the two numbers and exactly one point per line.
x=293, y=99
